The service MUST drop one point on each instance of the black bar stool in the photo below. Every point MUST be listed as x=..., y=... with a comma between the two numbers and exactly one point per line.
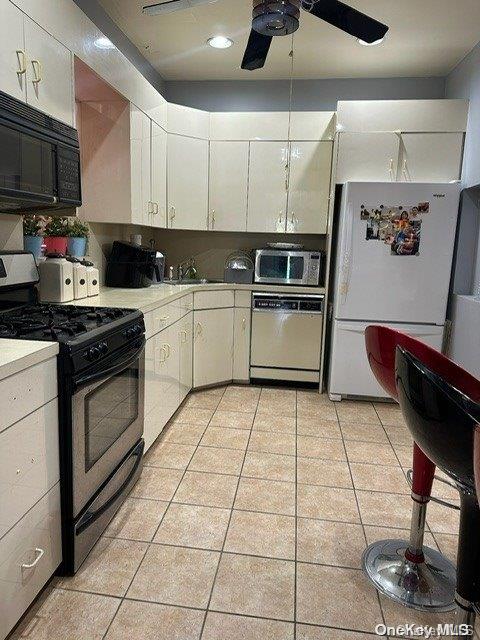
x=443, y=422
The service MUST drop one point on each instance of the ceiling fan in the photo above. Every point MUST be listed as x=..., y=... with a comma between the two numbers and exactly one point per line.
x=272, y=18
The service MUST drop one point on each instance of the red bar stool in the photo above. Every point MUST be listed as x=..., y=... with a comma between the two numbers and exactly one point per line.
x=443, y=422
x=407, y=571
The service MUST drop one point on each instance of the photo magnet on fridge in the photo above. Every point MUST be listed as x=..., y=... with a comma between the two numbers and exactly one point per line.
x=399, y=227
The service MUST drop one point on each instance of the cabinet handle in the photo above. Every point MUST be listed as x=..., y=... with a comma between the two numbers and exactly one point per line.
x=213, y=218
x=184, y=335
x=22, y=62
x=198, y=329
x=157, y=208
x=173, y=213
x=38, y=556
x=163, y=350
x=244, y=324
x=168, y=350
x=405, y=170
x=37, y=70
x=150, y=207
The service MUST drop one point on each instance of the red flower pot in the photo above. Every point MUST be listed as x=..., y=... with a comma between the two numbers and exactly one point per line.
x=55, y=244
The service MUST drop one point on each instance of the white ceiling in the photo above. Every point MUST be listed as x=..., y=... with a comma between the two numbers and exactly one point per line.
x=426, y=38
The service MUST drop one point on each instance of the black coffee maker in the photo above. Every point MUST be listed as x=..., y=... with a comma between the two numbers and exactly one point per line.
x=132, y=266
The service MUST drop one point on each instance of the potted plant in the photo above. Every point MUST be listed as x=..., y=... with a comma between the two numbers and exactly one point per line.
x=78, y=233
x=32, y=238
x=56, y=235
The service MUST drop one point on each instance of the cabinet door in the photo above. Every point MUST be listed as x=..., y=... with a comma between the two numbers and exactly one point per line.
x=431, y=157
x=186, y=355
x=187, y=182
x=157, y=385
x=49, y=73
x=228, y=186
x=140, y=164
x=172, y=346
x=241, y=345
x=159, y=176
x=309, y=186
x=367, y=157
x=212, y=346
x=13, y=63
x=267, y=187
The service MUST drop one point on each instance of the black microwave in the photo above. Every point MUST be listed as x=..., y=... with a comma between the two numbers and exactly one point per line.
x=39, y=160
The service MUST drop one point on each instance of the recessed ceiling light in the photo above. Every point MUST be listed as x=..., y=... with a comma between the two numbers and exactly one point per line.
x=370, y=44
x=104, y=43
x=220, y=42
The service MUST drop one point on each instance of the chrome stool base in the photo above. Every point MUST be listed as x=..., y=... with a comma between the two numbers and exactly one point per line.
x=425, y=586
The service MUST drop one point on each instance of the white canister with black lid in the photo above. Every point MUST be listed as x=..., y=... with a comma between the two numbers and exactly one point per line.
x=80, y=286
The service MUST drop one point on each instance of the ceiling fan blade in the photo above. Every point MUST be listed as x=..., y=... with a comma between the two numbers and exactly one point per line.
x=170, y=6
x=256, y=51
x=347, y=19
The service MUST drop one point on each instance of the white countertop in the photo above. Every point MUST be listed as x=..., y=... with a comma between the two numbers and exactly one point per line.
x=17, y=355
x=157, y=295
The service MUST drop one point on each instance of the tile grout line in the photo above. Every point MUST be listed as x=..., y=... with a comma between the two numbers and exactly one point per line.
x=160, y=437
x=295, y=583
x=358, y=505
x=228, y=524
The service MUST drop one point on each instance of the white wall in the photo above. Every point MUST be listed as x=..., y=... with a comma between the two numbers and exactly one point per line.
x=464, y=82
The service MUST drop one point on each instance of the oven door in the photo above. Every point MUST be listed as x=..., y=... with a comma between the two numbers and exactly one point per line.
x=107, y=416
x=281, y=267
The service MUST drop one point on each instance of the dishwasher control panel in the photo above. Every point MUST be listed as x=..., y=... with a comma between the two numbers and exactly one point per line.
x=288, y=303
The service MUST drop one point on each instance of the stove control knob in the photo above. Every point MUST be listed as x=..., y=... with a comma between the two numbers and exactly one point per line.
x=138, y=329
x=93, y=353
x=103, y=348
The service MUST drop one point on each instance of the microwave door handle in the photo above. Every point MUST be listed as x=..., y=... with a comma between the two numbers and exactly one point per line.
x=91, y=516
x=110, y=371
x=27, y=195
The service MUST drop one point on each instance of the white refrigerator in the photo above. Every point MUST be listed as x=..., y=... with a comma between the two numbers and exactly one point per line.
x=394, y=253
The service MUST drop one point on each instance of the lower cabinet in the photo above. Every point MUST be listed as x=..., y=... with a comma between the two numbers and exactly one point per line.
x=212, y=346
x=241, y=345
x=29, y=555
x=168, y=375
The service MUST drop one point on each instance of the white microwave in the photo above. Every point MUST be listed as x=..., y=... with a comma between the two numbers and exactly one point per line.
x=280, y=266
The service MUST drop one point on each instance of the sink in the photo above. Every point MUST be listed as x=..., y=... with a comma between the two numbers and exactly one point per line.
x=197, y=281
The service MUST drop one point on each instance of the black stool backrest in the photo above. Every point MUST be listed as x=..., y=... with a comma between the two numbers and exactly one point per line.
x=441, y=419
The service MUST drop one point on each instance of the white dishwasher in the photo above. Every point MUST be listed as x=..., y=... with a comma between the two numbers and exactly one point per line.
x=286, y=337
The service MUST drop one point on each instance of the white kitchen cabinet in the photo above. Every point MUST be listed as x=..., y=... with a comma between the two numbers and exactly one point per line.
x=430, y=157
x=212, y=346
x=241, y=344
x=13, y=60
x=159, y=176
x=140, y=158
x=367, y=157
x=49, y=73
x=187, y=182
x=267, y=187
x=310, y=166
x=186, y=356
x=228, y=185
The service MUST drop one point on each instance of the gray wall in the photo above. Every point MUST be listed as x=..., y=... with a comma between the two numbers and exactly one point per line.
x=100, y=17
x=308, y=95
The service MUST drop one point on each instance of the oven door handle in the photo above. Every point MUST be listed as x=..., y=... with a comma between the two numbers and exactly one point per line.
x=91, y=516
x=123, y=361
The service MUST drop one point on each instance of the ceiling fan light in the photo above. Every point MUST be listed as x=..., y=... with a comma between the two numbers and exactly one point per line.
x=220, y=42
x=370, y=44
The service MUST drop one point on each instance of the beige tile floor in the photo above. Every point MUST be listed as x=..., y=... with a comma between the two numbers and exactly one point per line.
x=249, y=523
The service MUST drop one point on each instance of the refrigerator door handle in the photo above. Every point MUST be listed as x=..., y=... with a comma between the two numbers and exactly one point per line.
x=346, y=266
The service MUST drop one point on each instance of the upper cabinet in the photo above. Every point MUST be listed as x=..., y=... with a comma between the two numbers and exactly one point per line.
x=367, y=157
x=401, y=140
x=185, y=121
x=267, y=187
x=310, y=165
x=430, y=157
x=13, y=61
x=34, y=66
x=228, y=185
x=187, y=182
x=159, y=175
x=258, y=125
